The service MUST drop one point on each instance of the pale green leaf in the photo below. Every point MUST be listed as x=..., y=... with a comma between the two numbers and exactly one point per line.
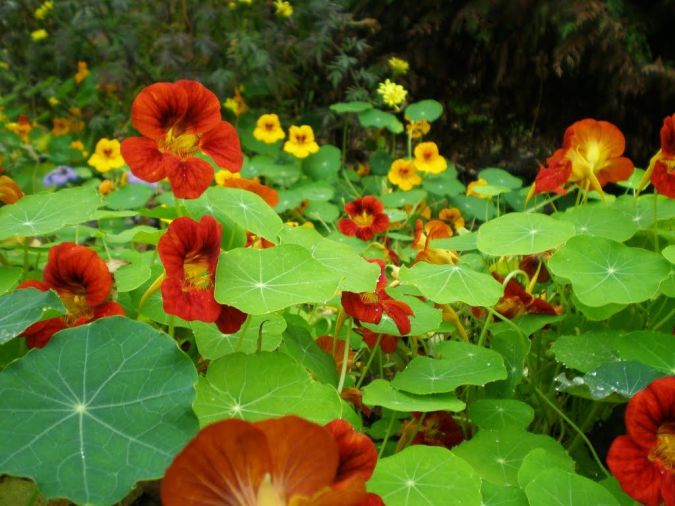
x=381, y=393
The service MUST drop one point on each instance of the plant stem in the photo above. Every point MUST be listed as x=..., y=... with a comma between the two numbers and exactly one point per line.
x=387, y=434
x=345, y=359
x=242, y=333
x=370, y=361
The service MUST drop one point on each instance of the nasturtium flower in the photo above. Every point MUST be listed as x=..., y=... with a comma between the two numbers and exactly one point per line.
x=21, y=127
x=79, y=146
x=398, y=66
x=471, y=189
x=178, y=120
x=228, y=180
x=268, y=129
x=38, y=35
x=366, y=218
x=392, y=94
x=661, y=170
x=44, y=9
x=427, y=158
x=370, y=306
x=403, y=173
x=276, y=462
x=107, y=155
x=60, y=126
x=387, y=343
x=643, y=461
x=53, y=101
x=9, y=190
x=106, y=186
x=424, y=234
x=60, y=176
x=236, y=103
x=517, y=301
x=189, y=251
x=283, y=8
x=82, y=71
x=417, y=128
x=453, y=216
x=83, y=283
x=301, y=141
x=438, y=428
x=590, y=157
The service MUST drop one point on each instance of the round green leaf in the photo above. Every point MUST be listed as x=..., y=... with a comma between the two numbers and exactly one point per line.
x=540, y=460
x=374, y=118
x=22, y=308
x=500, y=177
x=131, y=196
x=655, y=349
x=494, y=414
x=522, y=234
x=347, y=107
x=260, y=386
x=669, y=253
x=44, y=213
x=9, y=278
x=425, y=475
x=462, y=242
x=131, y=276
x=452, y=283
x=381, y=393
x=603, y=271
x=429, y=110
x=602, y=220
x=399, y=199
x=100, y=407
x=474, y=208
x=501, y=495
x=444, y=185
x=587, y=351
x=323, y=211
x=262, y=281
x=324, y=164
x=558, y=487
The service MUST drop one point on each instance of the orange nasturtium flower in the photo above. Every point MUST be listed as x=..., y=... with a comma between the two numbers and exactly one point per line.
x=82, y=281
x=107, y=155
x=424, y=234
x=403, y=173
x=9, y=190
x=427, y=158
x=661, y=169
x=178, y=120
x=590, y=157
x=228, y=180
x=366, y=218
x=82, y=71
x=189, y=252
x=21, y=127
x=453, y=216
x=277, y=462
x=301, y=141
x=60, y=126
x=268, y=129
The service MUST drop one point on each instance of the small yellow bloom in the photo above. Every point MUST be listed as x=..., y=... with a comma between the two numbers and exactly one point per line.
x=224, y=175
x=107, y=155
x=53, y=101
x=472, y=193
x=268, y=129
x=427, y=158
x=82, y=71
x=78, y=145
x=42, y=11
x=398, y=66
x=283, y=9
x=418, y=128
x=403, y=174
x=392, y=94
x=61, y=126
x=301, y=142
x=22, y=127
x=39, y=34
x=106, y=186
x=236, y=104
x=231, y=104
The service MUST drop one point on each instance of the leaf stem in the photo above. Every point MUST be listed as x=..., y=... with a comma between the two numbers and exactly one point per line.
x=370, y=361
x=345, y=359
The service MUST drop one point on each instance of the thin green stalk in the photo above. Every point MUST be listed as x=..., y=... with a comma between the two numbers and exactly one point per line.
x=386, y=435
x=345, y=359
x=664, y=320
x=370, y=361
x=483, y=332
x=242, y=333
x=655, y=228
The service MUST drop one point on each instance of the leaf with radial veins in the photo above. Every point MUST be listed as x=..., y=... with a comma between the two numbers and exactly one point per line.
x=44, y=213
x=561, y=488
x=496, y=414
x=522, y=234
x=602, y=220
x=655, y=349
x=603, y=271
x=22, y=308
x=100, y=407
x=452, y=283
x=262, y=281
x=425, y=475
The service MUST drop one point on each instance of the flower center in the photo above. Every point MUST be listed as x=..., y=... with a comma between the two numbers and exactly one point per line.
x=664, y=451
x=369, y=297
x=428, y=155
x=269, y=126
x=197, y=274
x=268, y=494
x=300, y=138
x=183, y=145
x=107, y=152
x=365, y=219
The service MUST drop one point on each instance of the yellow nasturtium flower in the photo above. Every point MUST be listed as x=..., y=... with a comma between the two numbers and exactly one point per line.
x=427, y=158
x=283, y=9
x=223, y=175
x=268, y=129
x=392, y=94
x=107, y=155
x=472, y=193
x=403, y=174
x=42, y=11
x=82, y=71
x=39, y=34
x=398, y=66
x=53, y=101
x=417, y=128
x=301, y=141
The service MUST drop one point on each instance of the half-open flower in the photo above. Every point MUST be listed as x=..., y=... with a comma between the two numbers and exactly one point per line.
x=424, y=234
x=82, y=281
x=427, y=158
x=273, y=463
x=661, y=170
x=643, y=461
x=268, y=129
x=370, y=306
x=366, y=218
x=189, y=251
x=177, y=121
x=516, y=301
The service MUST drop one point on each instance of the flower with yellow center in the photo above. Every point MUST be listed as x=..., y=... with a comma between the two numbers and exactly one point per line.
x=42, y=11
x=268, y=129
x=392, y=94
x=107, y=155
x=61, y=126
x=471, y=192
x=82, y=71
x=418, y=128
x=301, y=141
x=398, y=66
x=39, y=34
x=403, y=173
x=427, y=158
x=283, y=9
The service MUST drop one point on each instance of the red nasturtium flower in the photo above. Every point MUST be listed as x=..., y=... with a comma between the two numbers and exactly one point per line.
x=370, y=306
x=661, y=168
x=283, y=461
x=387, y=343
x=178, y=120
x=366, y=218
x=189, y=251
x=438, y=428
x=590, y=157
x=82, y=281
x=516, y=301
x=643, y=461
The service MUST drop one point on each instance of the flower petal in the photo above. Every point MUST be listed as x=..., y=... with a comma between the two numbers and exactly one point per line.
x=188, y=238
x=649, y=409
x=636, y=474
x=400, y=312
x=230, y=319
x=354, y=306
x=222, y=144
x=144, y=159
x=39, y=334
x=189, y=178
x=157, y=108
x=358, y=455
x=203, y=108
x=618, y=169
x=189, y=304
